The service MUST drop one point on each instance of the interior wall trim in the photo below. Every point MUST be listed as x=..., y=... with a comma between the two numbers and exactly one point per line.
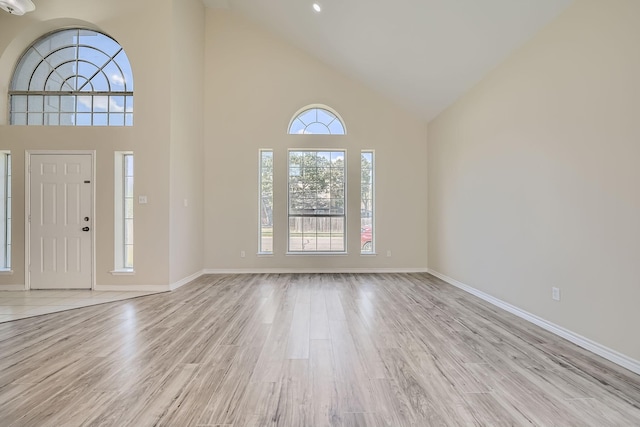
x=132, y=288
x=313, y=270
x=186, y=280
x=152, y=288
x=594, y=347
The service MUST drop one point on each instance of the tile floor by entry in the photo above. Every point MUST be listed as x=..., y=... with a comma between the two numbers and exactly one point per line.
x=16, y=305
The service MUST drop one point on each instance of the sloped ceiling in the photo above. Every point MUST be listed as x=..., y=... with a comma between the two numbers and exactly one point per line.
x=422, y=54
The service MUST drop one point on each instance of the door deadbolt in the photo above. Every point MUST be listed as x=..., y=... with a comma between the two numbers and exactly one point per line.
x=86, y=218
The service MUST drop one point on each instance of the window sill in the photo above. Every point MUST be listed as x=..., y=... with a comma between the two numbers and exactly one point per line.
x=265, y=254
x=123, y=272
x=317, y=253
x=6, y=272
x=368, y=254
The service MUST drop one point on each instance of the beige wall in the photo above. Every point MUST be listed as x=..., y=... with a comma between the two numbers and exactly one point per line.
x=187, y=79
x=149, y=138
x=533, y=177
x=254, y=84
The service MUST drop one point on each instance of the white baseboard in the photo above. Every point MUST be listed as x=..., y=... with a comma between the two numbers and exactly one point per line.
x=312, y=270
x=133, y=288
x=12, y=288
x=594, y=347
x=150, y=288
x=186, y=280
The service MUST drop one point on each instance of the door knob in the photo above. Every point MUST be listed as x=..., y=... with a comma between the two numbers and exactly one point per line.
x=85, y=228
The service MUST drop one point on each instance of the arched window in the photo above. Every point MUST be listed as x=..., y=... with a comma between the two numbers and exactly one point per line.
x=318, y=120
x=73, y=77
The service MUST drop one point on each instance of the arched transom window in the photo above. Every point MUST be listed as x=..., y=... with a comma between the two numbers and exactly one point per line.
x=317, y=120
x=73, y=77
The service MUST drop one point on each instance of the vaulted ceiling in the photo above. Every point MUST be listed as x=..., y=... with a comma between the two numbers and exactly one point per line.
x=422, y=54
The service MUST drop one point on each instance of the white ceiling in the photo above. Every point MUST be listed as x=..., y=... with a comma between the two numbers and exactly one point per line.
x=423, y=54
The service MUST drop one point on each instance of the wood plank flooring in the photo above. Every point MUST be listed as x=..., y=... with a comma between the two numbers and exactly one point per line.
x=304, y=350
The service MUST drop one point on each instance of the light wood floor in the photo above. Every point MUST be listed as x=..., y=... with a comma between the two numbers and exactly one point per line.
x=16, y=305
x=304, y=350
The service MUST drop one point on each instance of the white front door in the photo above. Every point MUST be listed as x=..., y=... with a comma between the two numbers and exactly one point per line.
x=60, y=235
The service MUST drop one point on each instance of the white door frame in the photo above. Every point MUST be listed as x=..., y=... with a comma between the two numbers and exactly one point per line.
x=27, y=209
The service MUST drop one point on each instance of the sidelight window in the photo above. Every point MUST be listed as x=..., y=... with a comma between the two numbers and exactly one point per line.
x=266, y=202
x=124, y=202
x=5, y=210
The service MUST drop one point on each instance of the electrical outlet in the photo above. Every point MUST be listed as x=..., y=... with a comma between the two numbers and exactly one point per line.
x=555, y=294
x=242, y=254
x=389, y=252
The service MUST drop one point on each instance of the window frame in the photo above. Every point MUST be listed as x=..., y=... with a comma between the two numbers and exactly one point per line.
x=5, y=210
x=70, y=104
x=342, y=215
x=121, y=265
x=372, y=208
x=301, y=112
x=261, y=202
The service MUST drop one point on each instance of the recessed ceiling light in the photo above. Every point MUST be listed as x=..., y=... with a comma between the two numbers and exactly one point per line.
x=317, y=7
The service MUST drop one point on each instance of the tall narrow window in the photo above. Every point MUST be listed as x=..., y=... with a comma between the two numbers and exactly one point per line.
x=266, y=202
x=123, y=211
x=366, y=201
x=5, y=210
x=317, y=201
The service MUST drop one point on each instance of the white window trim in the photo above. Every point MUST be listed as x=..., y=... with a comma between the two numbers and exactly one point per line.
x=119, y=223
x=123, y=272
x=43, y=117
x=316, y=254
x=322, y=107
x=346, y=204
x=262, y=252
x=5, y=226
x=373, y=202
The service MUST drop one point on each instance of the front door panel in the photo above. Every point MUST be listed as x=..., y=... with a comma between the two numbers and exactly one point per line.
x=60, y=221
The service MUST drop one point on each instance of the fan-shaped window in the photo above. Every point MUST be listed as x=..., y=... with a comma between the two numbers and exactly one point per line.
x=317, y=120
x=73, y=77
